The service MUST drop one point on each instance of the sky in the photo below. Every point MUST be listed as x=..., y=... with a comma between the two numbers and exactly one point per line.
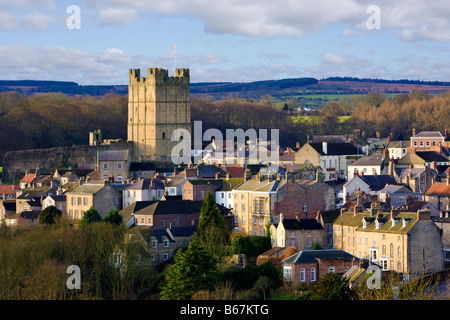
x=96, y=42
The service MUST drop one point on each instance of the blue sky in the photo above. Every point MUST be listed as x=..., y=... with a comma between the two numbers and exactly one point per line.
x=226, y=40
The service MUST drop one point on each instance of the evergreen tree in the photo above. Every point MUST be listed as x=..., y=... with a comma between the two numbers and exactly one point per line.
x=49, y=215
x=211, y=219
x=114, y=217
x=331, y=287
x=90, y=216
x=194, y=270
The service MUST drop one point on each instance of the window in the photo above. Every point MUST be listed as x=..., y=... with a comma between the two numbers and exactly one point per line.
x=73, y=201
x=149, y=220
x=105, y=166
x=165, y=256
x=119, y=166
x=79, y=201
x=163, y=222
x=287, y=273
x=174, y=222
x=384, y=264
x=305, y=208
x=223, y=195
x=312, y=272
x=202, y=194
x=153, y=257
x=163, y=136
x=391, y=250
x=302, y=275
x=331, y=269
x=243, y=207
x=166, y=243
x=428, y=143
x=154, y=243
x=85, y=201
x=119, y=178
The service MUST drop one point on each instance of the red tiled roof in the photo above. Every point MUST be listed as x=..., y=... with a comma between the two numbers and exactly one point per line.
x=8, y=188
x=29, y=177
x=439, y=188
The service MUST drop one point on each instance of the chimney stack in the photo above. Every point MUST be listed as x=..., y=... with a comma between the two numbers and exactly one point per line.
x=413, y=132
x=325, y=147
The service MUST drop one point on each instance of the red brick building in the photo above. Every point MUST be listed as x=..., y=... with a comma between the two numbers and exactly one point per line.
x=196, y=190
x=308, y=266
x=302, y=199
x=424, y=140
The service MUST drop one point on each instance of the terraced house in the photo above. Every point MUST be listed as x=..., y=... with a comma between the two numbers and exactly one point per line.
x=97, y=194
x=254, y=204
x=406, y=242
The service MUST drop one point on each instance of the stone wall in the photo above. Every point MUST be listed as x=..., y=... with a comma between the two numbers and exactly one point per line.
x=15, y=163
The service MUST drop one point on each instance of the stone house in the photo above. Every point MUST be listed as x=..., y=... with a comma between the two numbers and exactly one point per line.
x=307, y=267
x=163, y=214
x=417, y=179
x=399, y=240
x=299, y=233
x=144, y=170
x=7, y=208
x=27, y=180
x=97, y=194
x=372, y=164
x=304, y=198
x=254, y=204
x=438, y=194
x=397, y=195
x=161, y=244
x=443, y=222
x=332, y=157
x=8, y=191
x=224, y=195
x=398, y=149
x=368, y=184
x=58, y=201
x=114, y=164
x=145, y=189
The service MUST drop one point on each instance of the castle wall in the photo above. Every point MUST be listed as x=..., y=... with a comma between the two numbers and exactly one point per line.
x=15, y=163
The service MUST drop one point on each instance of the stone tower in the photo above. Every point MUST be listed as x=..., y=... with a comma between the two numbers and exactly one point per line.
x=157, y=105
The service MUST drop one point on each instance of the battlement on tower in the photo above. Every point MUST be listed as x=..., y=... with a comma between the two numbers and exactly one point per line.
x=159, y=76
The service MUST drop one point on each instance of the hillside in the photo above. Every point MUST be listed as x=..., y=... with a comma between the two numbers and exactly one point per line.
x=281, y=90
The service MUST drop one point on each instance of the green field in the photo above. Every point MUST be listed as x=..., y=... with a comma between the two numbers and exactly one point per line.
x=314, y=119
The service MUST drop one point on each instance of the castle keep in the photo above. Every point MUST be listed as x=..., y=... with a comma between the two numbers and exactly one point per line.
x=157, y=105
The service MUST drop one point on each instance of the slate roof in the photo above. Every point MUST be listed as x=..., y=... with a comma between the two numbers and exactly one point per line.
x=87, y=188
x=399, y=144
x=375, y=159
x=142, y=166
x=145, y=184
x=311, y=256
x=429, y=134
x=173, y=207
x=378, y=182
x=430, y=156
x=337, y=148
x=301, y=224
x=330, y=216
x=395, y=189
x=259, y=186
x=113, y=155
x=209, y=171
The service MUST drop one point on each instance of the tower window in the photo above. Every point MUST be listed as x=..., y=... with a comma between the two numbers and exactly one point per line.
x=163, y=135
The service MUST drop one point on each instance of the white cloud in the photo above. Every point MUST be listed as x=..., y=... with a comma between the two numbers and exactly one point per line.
x=35, y=22
x=117, y=16
x=54, y=62
x=8, y=21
